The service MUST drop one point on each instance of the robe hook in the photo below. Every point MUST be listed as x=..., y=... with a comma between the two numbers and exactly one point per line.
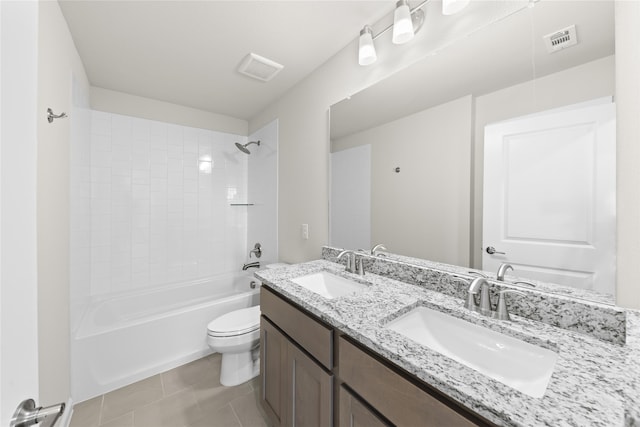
x=51, y=116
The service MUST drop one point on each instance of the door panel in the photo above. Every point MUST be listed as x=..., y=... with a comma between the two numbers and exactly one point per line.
x=540, y=173
x=18, y=156
x=273, y=347
x=311, y=391
x=549, y=197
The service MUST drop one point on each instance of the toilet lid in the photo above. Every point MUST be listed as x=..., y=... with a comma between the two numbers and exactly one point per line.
x=236, y=322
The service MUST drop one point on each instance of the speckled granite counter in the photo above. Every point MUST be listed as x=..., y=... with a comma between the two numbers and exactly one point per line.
x=595, y=383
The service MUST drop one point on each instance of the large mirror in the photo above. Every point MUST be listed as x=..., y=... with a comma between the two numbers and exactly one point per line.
x=407, y=153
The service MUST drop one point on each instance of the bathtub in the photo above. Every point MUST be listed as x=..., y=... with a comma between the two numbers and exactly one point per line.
x=126, y=338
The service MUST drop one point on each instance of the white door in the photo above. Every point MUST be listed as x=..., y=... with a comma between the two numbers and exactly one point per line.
x=549, y=201
x=18, y=154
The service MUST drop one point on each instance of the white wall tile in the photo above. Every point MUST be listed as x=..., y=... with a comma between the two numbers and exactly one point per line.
x=150, y=202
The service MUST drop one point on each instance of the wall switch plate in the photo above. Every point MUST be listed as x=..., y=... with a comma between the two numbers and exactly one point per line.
x=305, y=231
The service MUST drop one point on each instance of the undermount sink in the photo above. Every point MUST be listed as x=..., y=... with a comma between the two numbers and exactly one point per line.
x=328, y=285
x=516, y=363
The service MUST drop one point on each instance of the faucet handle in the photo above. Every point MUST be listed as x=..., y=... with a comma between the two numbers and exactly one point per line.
x=257, y=250
x=360, y=266
x=523, y=282
x=477, y=273
x=502, y=313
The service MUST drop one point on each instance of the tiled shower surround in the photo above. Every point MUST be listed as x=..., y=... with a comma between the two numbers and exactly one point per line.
x=161, y=203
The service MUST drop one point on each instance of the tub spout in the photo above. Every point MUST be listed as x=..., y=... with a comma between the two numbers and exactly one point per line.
x=247, y=266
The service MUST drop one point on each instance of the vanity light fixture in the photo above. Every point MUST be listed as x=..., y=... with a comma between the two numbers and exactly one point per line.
x=402, y=25
x=366, y=51
x=450, y=7
x=406, y=23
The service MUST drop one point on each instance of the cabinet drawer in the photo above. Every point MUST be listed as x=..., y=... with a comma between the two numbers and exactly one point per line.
x=313, y=336
x=396, y=398
x=354, y=413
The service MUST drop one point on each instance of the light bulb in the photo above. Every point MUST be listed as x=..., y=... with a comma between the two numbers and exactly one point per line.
x=402, y=25
x=366, y=50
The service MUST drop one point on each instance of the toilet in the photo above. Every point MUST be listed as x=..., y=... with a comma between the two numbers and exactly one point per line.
x=236, y=335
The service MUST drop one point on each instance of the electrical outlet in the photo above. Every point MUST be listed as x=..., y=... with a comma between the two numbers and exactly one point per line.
x=305, y=231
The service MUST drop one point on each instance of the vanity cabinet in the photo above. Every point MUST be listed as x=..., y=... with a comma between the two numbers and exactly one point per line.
x=396, y=398
x=297, y=386
x=299, y=376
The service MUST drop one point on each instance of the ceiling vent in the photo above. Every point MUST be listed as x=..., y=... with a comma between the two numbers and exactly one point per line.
x=259, y=67
x=561, y=39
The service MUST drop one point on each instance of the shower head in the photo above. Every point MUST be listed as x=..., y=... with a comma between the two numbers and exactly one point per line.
x=243, y=147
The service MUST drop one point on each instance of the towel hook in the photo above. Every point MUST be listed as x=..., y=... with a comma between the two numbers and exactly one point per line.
x=51, y=116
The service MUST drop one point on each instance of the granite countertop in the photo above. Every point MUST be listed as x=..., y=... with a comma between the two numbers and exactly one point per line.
x=594, y=383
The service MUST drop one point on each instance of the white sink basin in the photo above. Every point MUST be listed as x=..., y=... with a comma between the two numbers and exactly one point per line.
x=518, y=364
x=328, y=285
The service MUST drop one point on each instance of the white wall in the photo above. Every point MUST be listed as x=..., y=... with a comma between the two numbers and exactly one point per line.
x=592, y=80
x=628, y=145
x=131, y=105
x=19, y=377
x=262, y=217
x=424, y=210
x=58, y=63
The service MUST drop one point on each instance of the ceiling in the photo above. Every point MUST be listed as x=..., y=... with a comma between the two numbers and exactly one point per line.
x=503, y=54
x=187, y=52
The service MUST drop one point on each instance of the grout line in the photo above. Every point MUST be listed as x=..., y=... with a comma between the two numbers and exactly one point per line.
x=100, y=412
x=234, y=413
x=164, y=394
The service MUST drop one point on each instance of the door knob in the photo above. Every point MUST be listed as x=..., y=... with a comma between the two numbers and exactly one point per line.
x=491, y=250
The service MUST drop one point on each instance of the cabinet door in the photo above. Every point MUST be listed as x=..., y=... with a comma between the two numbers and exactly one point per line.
x=310, y=390
x=353, y=413
x=273, y=372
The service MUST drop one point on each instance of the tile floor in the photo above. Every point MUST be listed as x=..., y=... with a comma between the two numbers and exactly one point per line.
x=188, y=396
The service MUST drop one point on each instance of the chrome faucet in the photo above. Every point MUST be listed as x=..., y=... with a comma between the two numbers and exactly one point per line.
x=351, y=260
x=484, y=306
x=249, y=265
x=502, y=270
x=375, y=251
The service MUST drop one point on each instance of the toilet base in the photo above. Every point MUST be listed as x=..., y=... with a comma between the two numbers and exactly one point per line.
x=238, y=368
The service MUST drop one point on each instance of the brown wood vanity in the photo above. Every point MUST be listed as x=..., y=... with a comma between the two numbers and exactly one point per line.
x=314, y=375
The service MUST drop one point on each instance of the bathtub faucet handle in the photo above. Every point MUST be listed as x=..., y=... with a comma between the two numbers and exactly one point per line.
x=257, y=250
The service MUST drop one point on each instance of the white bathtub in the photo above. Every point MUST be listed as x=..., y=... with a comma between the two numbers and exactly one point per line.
x=123, y=339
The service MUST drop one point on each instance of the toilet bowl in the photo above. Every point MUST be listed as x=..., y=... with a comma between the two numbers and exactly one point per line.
x=236, y=335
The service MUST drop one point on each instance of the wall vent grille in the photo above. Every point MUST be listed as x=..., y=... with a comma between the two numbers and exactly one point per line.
x=561, y=39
